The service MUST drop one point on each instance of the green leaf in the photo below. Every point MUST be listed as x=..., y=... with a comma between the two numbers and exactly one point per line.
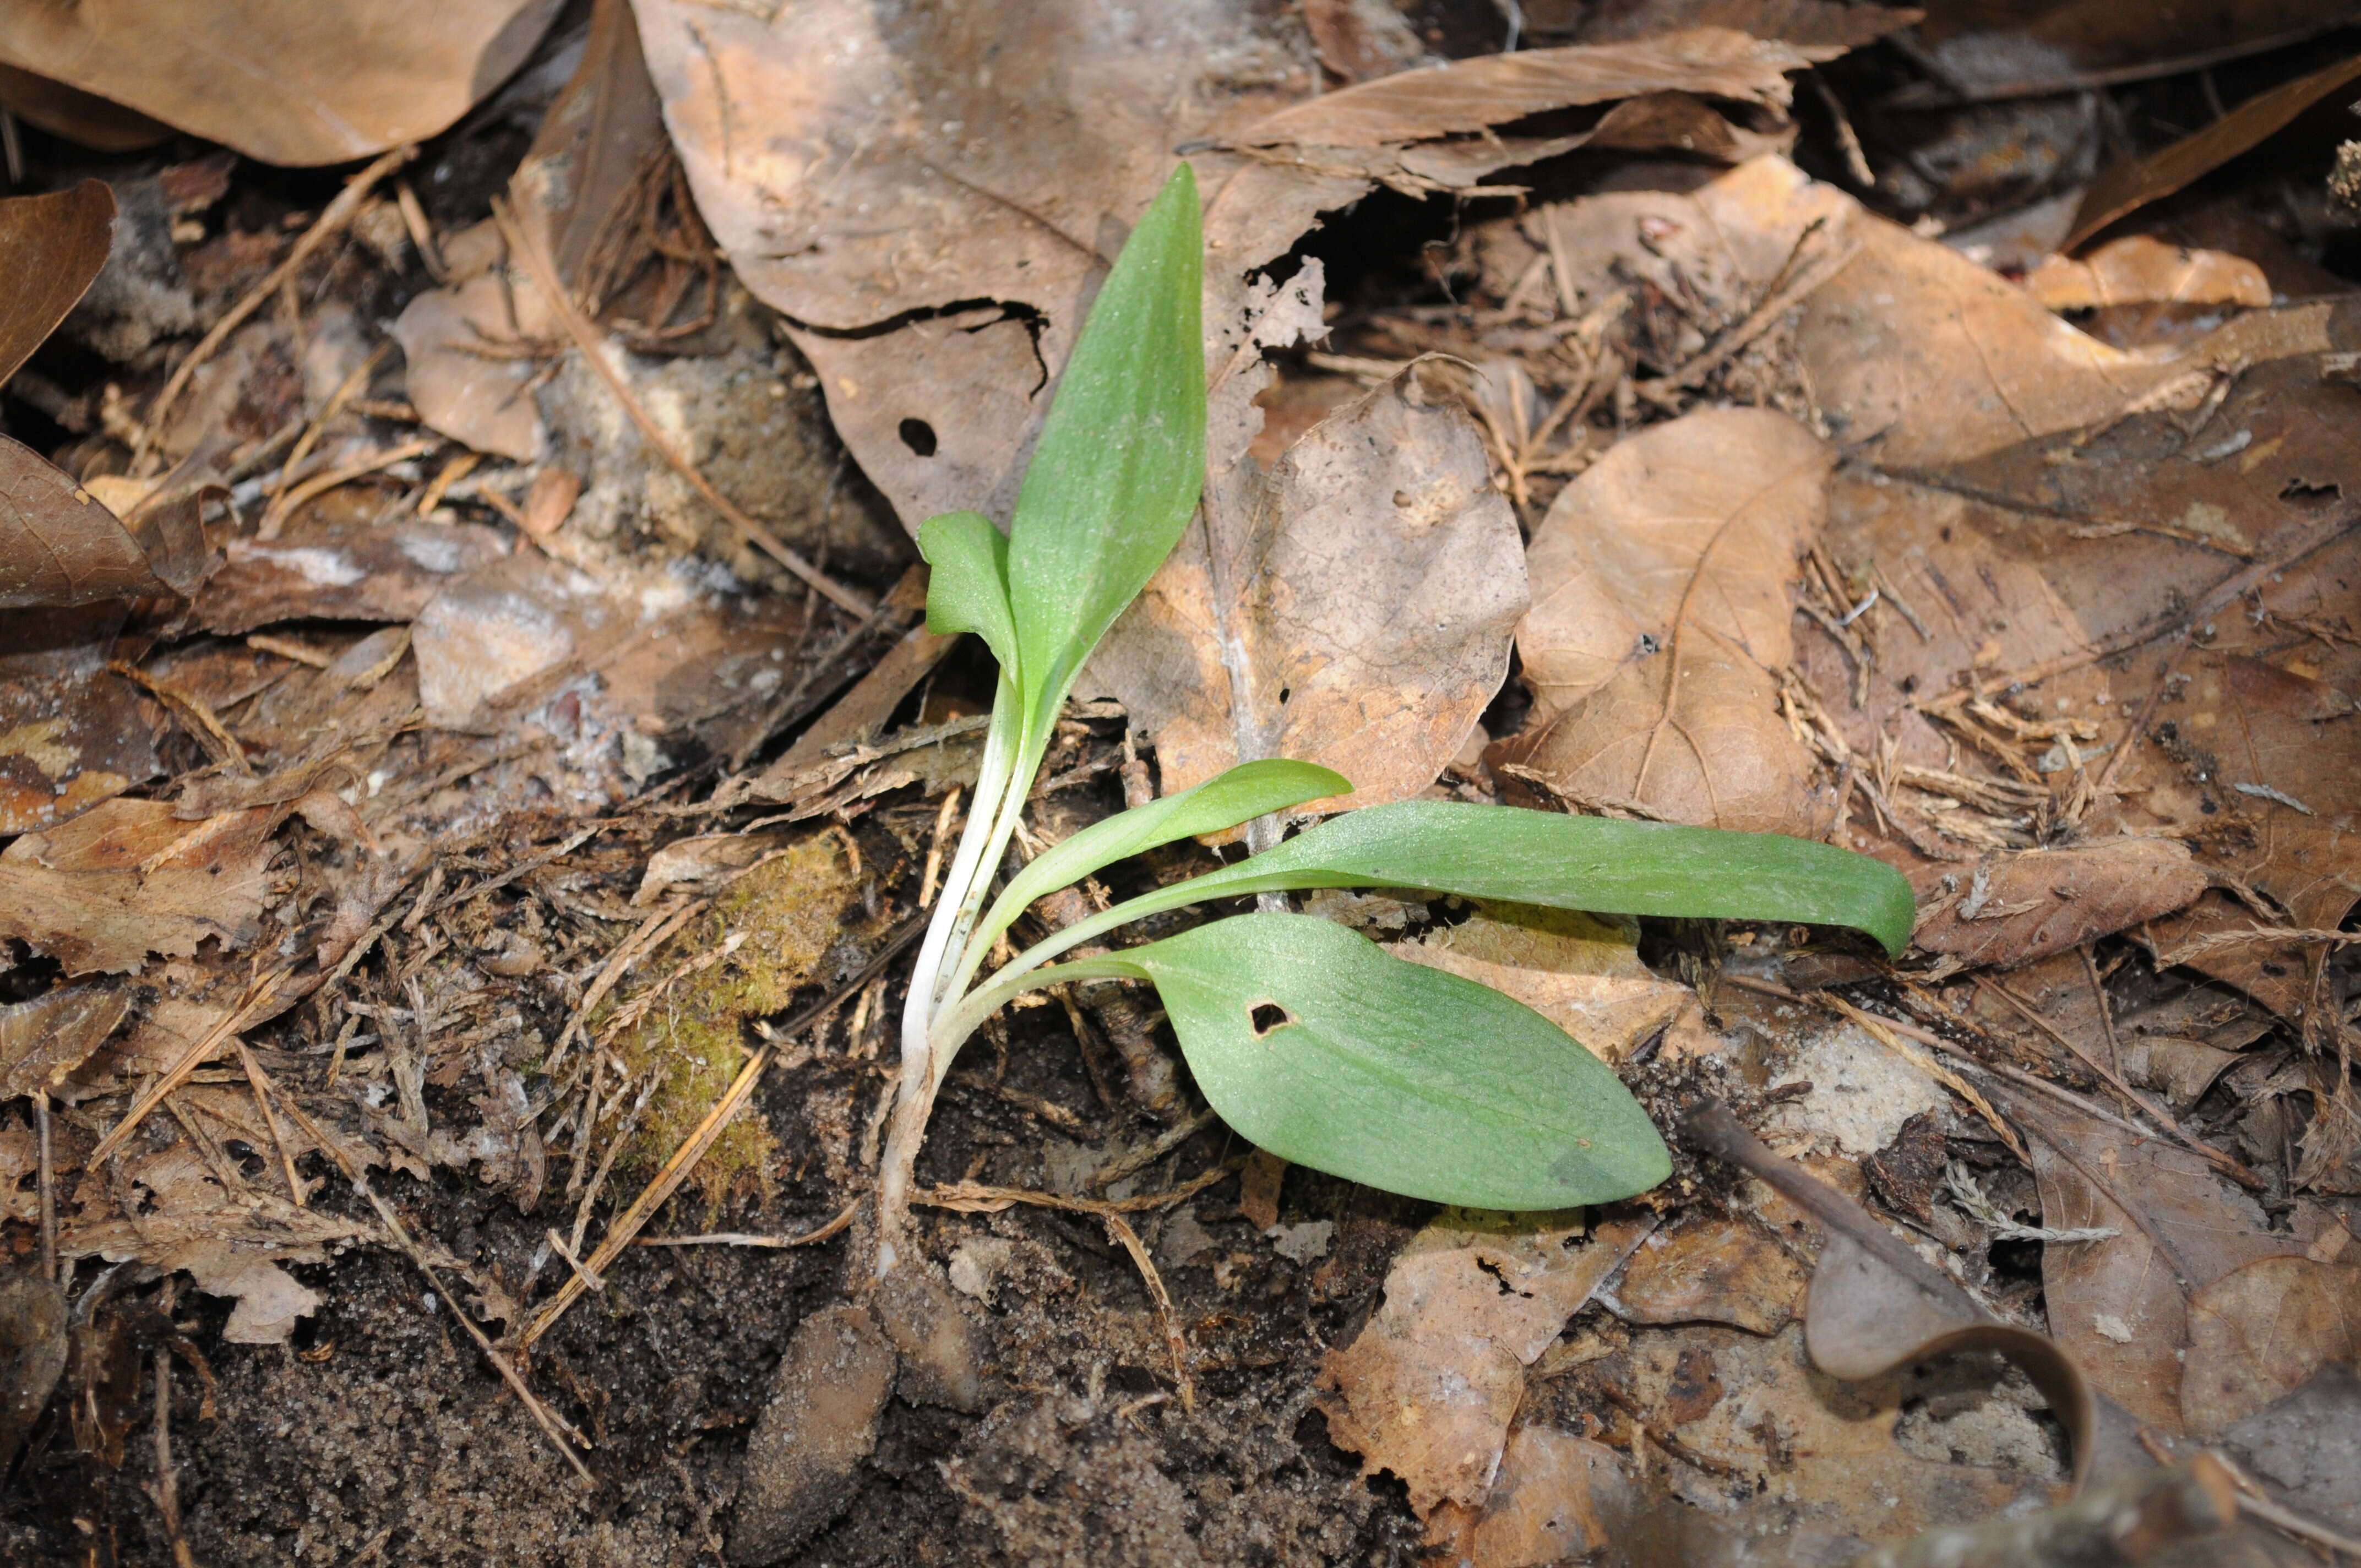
x=1318, y=1045
x=968, y=588
x=1561, y=862
x=1241, y=795
x=1116, y=474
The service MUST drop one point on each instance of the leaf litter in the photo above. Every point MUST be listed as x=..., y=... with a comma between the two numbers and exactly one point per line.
x=420, y=887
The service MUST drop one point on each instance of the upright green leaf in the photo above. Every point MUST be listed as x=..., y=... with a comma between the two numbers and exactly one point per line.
x=968, y=588
x=1240, y=795
x=1323, y=1048
x=1115, y=474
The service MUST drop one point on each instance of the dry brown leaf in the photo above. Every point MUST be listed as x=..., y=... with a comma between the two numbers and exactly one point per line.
x=860, y=176
x=2120, y=1307
x=2138, y=269
x=1712, y=1270
x=2127, y=187
x=1495, y=89
x=1352, y=610
x=2262, y=1332
x=71, y=734
x=43, y=1040
x=33, y=1320
x=594, y=143
x=2003, y=48
x=2305, y=1443
x=469, y=365
x=81, y=117
x=127, y=878
x=334, y=566
x=2011, y=909
x=284, y=80
x=52, y=246
x=1360, y=40
x=1428, y=1388
x=1661, y=616
x=58, y=545
x=1578, y=971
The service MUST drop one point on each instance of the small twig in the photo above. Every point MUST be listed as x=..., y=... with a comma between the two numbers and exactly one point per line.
x=1881, y=1030
x=259, y=1083
x=975, y=1197
x=251, y=1006
x=527, y=248
x=319, y=484
x=276, y=512
x=331, y=220
x=1118, y=1229
x=2106, y=1013
x=166, y=1490
x=834, y=1226
x=48, y=1186
x=1140, y=1159
x=589, y=1278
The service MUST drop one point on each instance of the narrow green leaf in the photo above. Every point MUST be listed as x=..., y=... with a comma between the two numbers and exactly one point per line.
x=1319, y=1047
x=968, y=588
x=1561, y=862
x=1241, y=795
x=1116, y=474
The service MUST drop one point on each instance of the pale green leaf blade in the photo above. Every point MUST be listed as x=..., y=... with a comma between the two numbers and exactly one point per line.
x=1571, y=863
x=1116, y=474
x=1392, y=1074
x=967, y=589
x=1240, y=795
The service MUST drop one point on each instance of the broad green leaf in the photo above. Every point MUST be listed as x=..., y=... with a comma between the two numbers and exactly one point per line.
x=968, y=588
x=1561, y=862
x=1116, y=474
x=1318, y=1045
x=1241, y=795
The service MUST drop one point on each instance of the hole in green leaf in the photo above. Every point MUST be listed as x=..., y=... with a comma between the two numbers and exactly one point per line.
x=1264, y=1016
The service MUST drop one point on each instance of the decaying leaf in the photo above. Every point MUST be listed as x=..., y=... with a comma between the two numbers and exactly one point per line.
x=1429, y=1388
x=1580, y=974
x=897, y=206
x=1352, y=610
x=2013, y=909
x=1661, y=617
x=71, y=734
x=2305, y=1443
x=2120, y=1306
x=1712, y=1270
x=44, y=1040
x=2262, y=1331
x=2000, y=49
x=52, y=246
x=32, y=1353
x=127, y=878
x=282, y=80
x=470, y=364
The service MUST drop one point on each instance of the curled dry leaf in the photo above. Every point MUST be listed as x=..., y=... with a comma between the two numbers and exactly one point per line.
x=1352, y=610
x=1493, y=90
x=468, y=364
x=2014, y=908
x=127, y=878
x=1661, y=617
x=1428, y=1388
x=32, y=1353
x=51, y=246
x=283, y=81
x=2139, y=269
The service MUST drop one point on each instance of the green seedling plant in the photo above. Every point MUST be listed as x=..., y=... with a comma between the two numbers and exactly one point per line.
x=1306, y=1037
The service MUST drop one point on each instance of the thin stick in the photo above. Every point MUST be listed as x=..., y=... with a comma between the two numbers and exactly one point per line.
x=258, y=996
x=1880, y=1030
x=834, y=1226
x=2162, y=1118
x=1138, y=1159
x=1119, y=1229
x=48, y=1188
x=276, y=512
x=331, y=220
x=527, y=248
x=166, y=1494
x=319, y=484
x=2106, y=1014
x=975, y=1197
x=259, y=1083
